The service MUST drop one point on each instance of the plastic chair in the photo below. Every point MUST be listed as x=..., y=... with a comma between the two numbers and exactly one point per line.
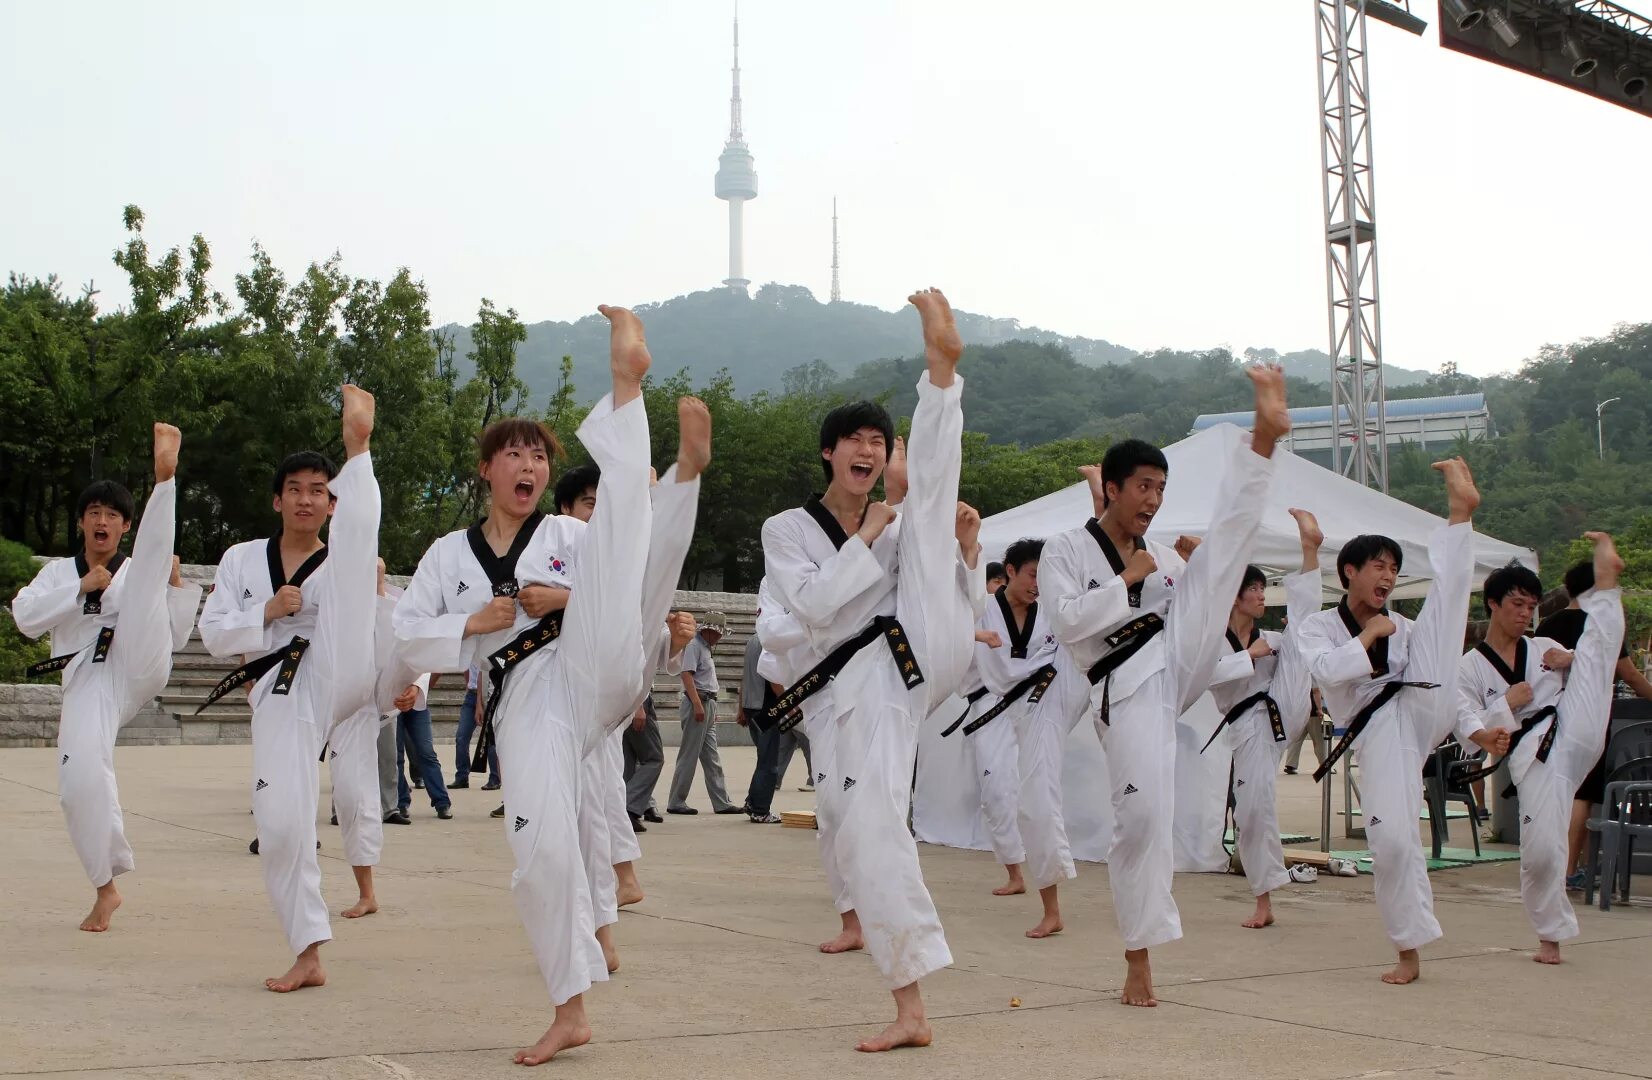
x=1442, y=784
x=1626, y=817
x=1629, y=742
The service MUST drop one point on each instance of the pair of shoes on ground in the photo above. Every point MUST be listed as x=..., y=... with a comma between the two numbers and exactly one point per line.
x=397, y=817
x=637, y=825
x=652, y=816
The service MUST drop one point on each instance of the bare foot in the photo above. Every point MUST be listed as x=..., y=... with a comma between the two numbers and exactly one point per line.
x=558, y=1037
x=1015, y=886
x=1098, y=489
x=628, y=355
x=1262, y=917
x=610, y=954
x=942, y=345
x=846, y=942
x=306, y=971
x=1049, y=924
x=1273, y=418
x=367, y=905
x=103, y=909
x=357, y=411
x=1608, y=563
x=1408, y=970
x=1462, y=497
x=627, y=891
x=1548, y=952
x=693, y=438
x=894, y=474
x=1307, y=528
x=167, y=440
x=1138, y=981
x=903, y=1032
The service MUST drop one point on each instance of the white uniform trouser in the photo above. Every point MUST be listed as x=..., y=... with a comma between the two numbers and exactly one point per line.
x=596, y=841
x=992, y=752
x=1403, y=733
x=878, y=717
x=335, y=678
x=1255, y=813
x=1548, y=787
x=821, y=726
x=1041, y=734
x=1140, y=740
x=353, y=761
x=99, y=698
x=553, y=703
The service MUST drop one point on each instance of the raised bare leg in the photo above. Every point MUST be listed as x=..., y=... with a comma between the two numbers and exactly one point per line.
x=306, y=971
x=1138, y=980
x=628, y=355
x=627, y=890
x=368, y=903
x=1263, y=915
x=1408, y=970
x=848, y=939
x=693, y=438
x=1273, y=418
x=1051, y=922
x=103, y=908
x=942, y=345
x=568, y=1029
x=1015, y=886
x=1462, y=497
x=909, y=1029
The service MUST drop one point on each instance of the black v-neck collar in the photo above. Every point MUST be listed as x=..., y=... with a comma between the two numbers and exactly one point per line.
x=1020, y=636
x=1233, y=639
x=1378, y=653
x=1114, y=559
x=278, y=572
x=501, y=569
x=1508, y=674
x=828, y=522
x=93, y=602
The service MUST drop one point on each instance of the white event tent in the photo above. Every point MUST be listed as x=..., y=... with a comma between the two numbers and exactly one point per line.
x=946, y=802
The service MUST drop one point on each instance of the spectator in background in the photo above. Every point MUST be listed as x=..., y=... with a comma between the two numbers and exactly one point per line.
x=698, y=712
x=644, y=760
x=467, y=727
x=1310, y=733
x=756, y=695
x=1566, y=627
x=413, y=739
x=390, y=776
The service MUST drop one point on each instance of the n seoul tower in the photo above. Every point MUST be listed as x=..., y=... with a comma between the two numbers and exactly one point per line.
x=736, y=178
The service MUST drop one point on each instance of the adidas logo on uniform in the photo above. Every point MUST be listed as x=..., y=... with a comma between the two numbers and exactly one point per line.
x=987, y=772
x=65, y=760
x=520, y=822
x=1130, y=789
x=1527, y=820
x=335, y=756
x=1238, y=783
x=260, y=786
x=848, y=782
x=1375, y=820
x=820, y=777
x=1094, y=584
x=246, y=594
x=461, y=590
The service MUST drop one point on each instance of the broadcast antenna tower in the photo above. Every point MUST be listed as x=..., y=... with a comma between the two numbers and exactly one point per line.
x=837, y=294
x=736, y=178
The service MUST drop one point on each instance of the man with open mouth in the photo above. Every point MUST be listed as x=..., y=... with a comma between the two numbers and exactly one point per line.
x=1393, y=683
x=1140, y=620
x=114, y=624
x=890, y=627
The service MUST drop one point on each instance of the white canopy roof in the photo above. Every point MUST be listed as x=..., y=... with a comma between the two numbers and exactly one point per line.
x=1198, y=466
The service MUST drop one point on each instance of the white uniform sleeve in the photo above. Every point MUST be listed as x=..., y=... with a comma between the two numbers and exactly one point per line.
x=43, y=604
x=182, y=602
x=1232, y=667
x=972, y=583
x=815, y=594
x=227, y=628
x=1331, y=664
x=671, y=662
x=776, y=628
x=428, y=636
x=1080, y=613
x=1472, y=713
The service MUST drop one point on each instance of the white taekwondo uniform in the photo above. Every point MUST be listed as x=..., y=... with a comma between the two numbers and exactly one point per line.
x=1570, y=713
x=121, y=643
x=1135, y=706
x=295, y=710
x=565, y=694
x=1276, y=687
x=1405, y=729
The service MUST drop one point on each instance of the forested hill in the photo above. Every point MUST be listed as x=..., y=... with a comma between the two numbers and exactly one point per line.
x=761, y=338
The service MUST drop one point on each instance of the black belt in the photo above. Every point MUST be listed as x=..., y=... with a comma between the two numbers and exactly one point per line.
x=100, y=653
x=1233, y=715
x=1362, y=718
x=786, y=710
x=1125, y=643
x=972, y=698
x=1032, y=688
x=1529, y=724
x=500, y=662
x=288, y=657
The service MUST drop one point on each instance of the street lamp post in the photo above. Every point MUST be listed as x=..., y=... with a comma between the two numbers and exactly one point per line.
x=1600, y=428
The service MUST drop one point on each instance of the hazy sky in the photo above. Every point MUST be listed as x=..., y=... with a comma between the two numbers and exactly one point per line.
x=1147, y=173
